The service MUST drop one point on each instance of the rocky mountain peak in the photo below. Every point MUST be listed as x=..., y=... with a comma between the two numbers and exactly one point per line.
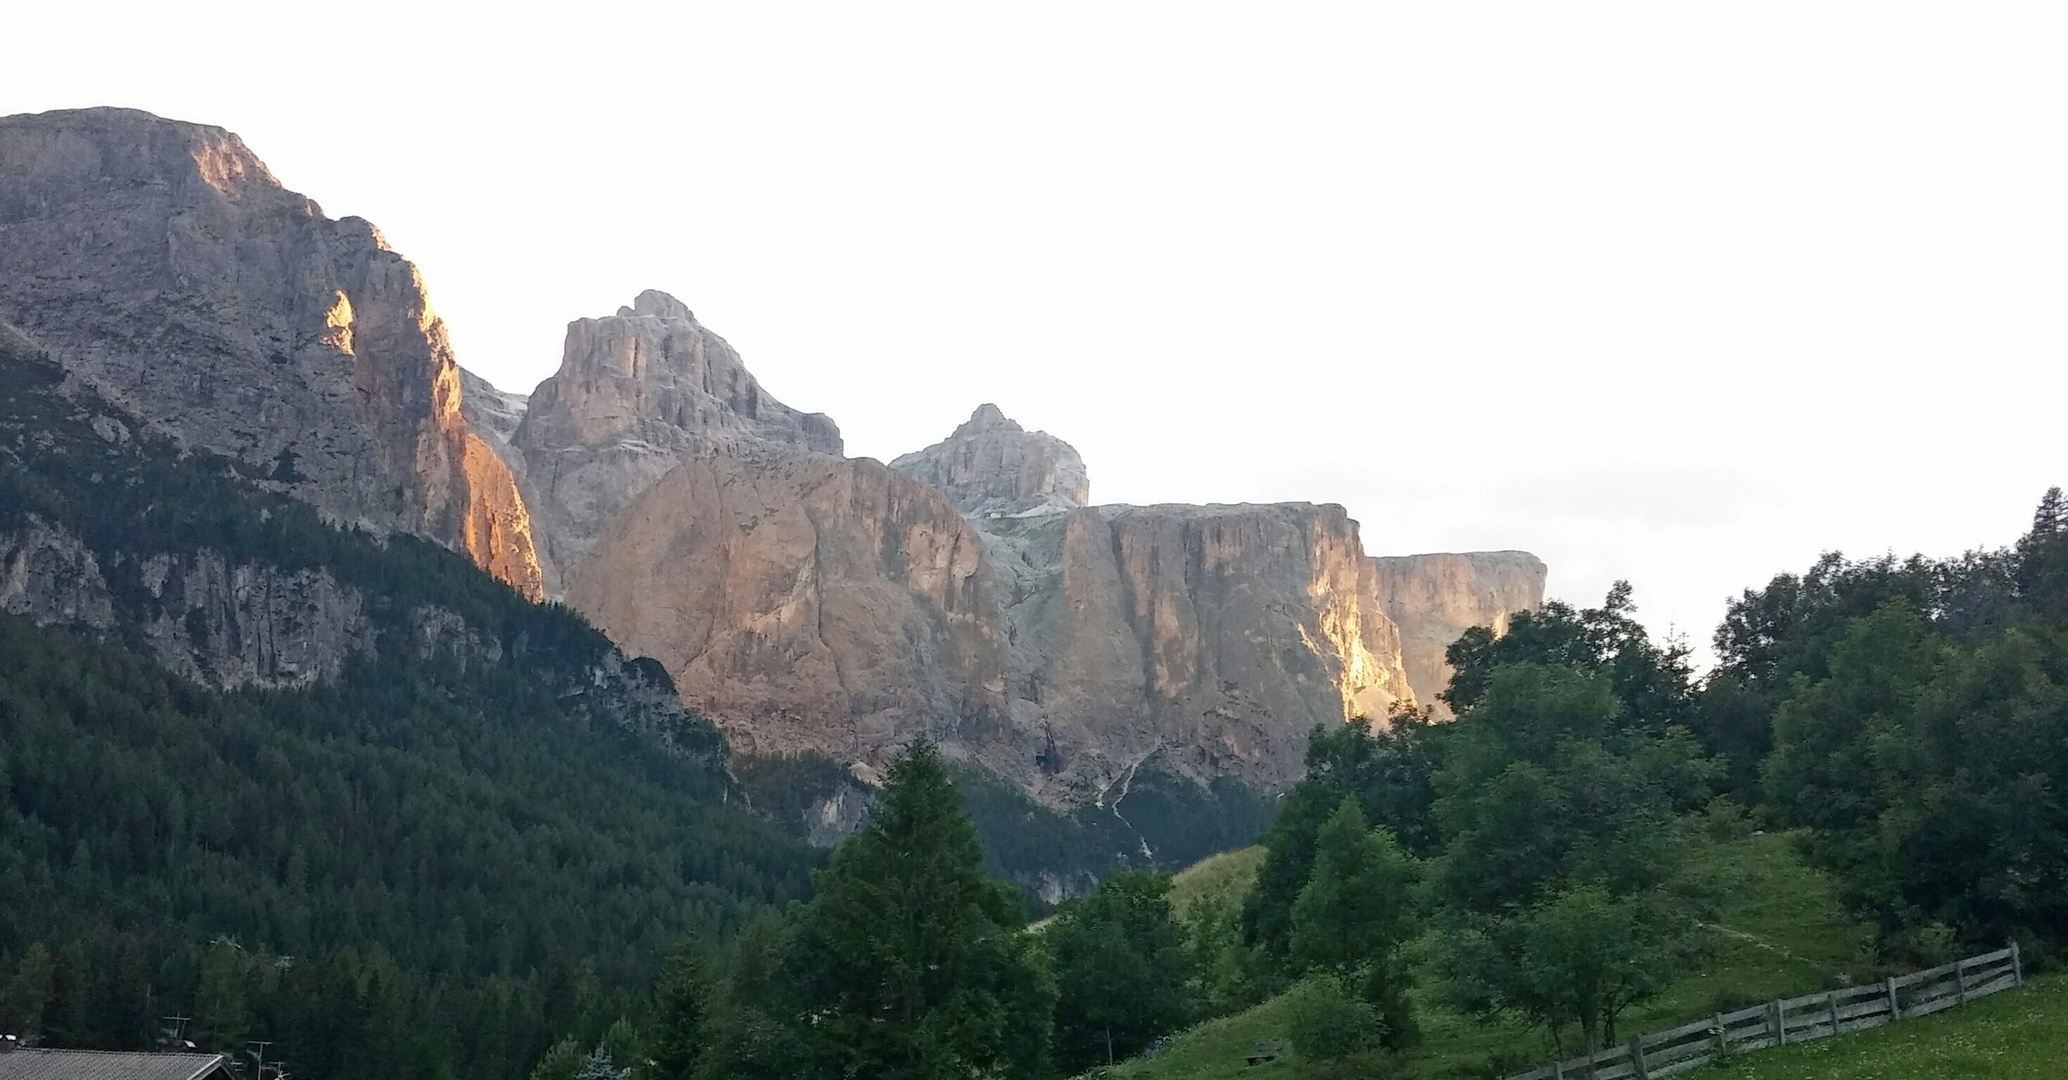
x=637, y=394
x=163, y=264
x=992, y=467
x=987, y=418
x=653, y=373
x=659, y=305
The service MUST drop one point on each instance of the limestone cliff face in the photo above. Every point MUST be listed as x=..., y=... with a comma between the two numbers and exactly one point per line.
x=228, y=624
x=1435, y=598
x=992, y=467
x=809, y=602
x=1213, y=636
x=638, y=393
x=48, y=575
x=164, y=264
x=214, y=622
x=805, y=602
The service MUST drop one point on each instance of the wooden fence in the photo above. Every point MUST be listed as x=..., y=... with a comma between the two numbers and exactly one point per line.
x=1778, y=1023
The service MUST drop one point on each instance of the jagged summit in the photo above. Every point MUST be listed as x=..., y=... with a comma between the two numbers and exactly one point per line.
x=992, y=467
x=987, y=417
x=637, y=394
x=659, y=305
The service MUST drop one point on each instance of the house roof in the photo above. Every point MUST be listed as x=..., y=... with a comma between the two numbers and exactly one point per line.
x=28, y=1064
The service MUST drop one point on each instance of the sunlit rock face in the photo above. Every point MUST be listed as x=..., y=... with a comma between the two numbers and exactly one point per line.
x=806, y=602
x=1435, y=598
x=163, y=263
x=1212, y=637
x=992, y=467
x=637, y=394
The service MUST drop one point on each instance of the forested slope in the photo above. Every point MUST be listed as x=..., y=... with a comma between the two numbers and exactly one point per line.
x=475, y=825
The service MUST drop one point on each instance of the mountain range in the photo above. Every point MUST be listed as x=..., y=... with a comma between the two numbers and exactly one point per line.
x=815, y=607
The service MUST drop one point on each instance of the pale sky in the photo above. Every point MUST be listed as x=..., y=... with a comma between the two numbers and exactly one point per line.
x=1679, y=293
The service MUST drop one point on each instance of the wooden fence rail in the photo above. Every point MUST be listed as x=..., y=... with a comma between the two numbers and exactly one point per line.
x=1778, y=1023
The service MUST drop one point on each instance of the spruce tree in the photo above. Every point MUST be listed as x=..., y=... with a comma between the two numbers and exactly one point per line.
x=681, y=1002
x=910, y=954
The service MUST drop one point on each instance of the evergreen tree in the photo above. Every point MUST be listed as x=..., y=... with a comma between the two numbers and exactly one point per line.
x=910, y=955
x=681, y=1003
x=2042, y=559
x=599, y=1067
x=561, y=1062
x=27, y=991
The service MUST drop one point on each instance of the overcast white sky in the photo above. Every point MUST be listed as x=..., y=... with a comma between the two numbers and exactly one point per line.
x=1679, y=293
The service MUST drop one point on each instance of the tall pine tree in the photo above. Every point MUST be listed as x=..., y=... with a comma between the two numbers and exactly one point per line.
x=680, y=1003
x=911, y=956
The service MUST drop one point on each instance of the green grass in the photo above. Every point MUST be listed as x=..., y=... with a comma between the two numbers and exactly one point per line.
x=2016, y=1035
x=1230, y=873
x=1780, y=931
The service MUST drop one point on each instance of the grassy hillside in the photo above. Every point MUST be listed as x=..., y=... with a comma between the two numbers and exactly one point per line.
x=1228, y=874
x=1780, y=931
x=2018, y=1035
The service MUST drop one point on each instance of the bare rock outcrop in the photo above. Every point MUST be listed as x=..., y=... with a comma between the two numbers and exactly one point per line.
x=230, y=624
x=805, y=602
x=164, y=264
x=811, y=603
x=207, y=619
x=1435, y=598
x=1213, y=636
x=48, y=575
x=993, y=467
x=638, y=393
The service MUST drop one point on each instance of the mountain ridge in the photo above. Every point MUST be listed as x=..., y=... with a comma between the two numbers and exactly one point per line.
x=806, y=601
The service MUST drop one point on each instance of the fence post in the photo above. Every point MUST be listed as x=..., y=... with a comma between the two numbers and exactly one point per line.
x=1960, y=979
x=1637, y=1058
x=1895, y=1012
x=2017, y=965
x=1723, y=1044
x=1779, y=1014
x=1834, y=1012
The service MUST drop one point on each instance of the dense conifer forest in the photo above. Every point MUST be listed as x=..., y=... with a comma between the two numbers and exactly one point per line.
x=425, y=868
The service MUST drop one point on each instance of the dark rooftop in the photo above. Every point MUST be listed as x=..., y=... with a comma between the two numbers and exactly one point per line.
x=29, y=1064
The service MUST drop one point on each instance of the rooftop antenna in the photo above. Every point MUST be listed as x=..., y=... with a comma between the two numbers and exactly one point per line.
x=258, y=1055
x=175, y=1035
